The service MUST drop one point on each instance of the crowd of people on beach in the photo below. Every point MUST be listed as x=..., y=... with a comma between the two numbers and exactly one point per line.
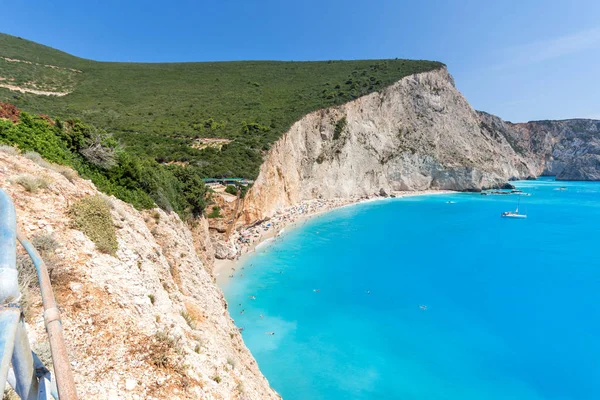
x=246, y=239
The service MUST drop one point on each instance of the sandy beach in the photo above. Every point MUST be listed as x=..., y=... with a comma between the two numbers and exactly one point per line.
x=249, y=239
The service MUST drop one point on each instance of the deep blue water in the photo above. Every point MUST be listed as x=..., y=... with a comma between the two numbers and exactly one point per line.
x=512, y=305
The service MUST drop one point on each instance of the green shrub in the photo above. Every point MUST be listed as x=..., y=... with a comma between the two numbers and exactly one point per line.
x=91, y=215
x=231, y=190
x=339, y=128
x=215, y=213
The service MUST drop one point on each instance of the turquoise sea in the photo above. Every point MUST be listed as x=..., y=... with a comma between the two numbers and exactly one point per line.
x=513, y=306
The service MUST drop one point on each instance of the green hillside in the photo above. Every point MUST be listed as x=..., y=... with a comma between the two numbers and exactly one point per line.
x=161, y=110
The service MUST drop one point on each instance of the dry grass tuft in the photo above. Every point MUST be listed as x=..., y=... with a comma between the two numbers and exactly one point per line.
x=33, y=184
x=67, y=172
x=12, y=151
x=45, y=243
x=165, y=352
x=36, y=158
x=194, y=311
x=28, y=284
x=188, y=319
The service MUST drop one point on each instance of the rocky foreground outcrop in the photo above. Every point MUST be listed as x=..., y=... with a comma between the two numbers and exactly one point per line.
x=147, y=323
x=417, y=134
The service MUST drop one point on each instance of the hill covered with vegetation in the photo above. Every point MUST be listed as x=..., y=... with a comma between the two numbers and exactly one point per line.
x=165, y=112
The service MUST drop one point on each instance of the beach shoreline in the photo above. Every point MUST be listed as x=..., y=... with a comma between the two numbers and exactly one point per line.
x=248, y=239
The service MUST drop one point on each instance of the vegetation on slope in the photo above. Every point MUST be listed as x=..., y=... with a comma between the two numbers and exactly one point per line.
x=91, y=215
x=158, y=111
x=96, y=155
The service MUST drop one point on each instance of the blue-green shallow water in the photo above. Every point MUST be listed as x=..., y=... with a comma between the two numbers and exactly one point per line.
x=512, y=305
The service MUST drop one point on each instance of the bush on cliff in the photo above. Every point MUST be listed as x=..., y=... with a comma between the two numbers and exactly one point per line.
x=95, y=154
x=91, y=215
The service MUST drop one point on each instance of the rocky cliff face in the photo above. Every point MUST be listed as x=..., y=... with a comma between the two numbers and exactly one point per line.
x=569, y=149
x=148, y=323
x=419, y=133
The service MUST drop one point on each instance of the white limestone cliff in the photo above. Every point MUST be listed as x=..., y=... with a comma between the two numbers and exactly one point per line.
x=420, y=133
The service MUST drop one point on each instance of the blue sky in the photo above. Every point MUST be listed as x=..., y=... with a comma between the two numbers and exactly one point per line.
x=521, y=60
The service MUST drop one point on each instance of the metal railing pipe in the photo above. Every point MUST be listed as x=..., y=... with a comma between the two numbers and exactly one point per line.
x=22, y=362
x=9, y=285
x=9, y=280
x=62, y=366
x=9, y=320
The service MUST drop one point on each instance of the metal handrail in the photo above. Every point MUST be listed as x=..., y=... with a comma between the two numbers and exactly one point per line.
x=29, y=377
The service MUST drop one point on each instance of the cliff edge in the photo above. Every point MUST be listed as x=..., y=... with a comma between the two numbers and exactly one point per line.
x=420, y=133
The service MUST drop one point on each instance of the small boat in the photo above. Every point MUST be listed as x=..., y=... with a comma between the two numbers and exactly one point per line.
x=450, y=202
x=514, y=214
x=252, y=297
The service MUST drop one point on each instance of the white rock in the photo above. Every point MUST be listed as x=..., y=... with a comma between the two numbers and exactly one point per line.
x=130, y=384
x=75, y=287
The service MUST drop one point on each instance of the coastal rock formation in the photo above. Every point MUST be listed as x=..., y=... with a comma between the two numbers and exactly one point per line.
x=568, y=149
x=417, y=134
x=147, y=323
x=225, y=250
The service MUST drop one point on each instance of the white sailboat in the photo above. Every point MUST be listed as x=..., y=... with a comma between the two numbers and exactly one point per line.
x=514, y=214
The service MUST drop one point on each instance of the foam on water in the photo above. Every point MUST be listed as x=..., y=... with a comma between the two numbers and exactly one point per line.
x=512, y=305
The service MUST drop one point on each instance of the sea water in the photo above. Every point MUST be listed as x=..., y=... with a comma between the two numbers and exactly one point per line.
x=512, y=306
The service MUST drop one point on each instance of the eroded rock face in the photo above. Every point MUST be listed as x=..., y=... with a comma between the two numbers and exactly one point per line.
x=225, y=250
x=417, y=134
x=569, y=149
x=148, y=323
x=582, y=168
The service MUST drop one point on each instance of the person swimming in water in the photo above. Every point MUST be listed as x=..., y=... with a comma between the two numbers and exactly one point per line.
x=241, y=312
x=261, y=316
x=368, y=292
x=317, y=290
x=269, y=333
x=424, y=308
